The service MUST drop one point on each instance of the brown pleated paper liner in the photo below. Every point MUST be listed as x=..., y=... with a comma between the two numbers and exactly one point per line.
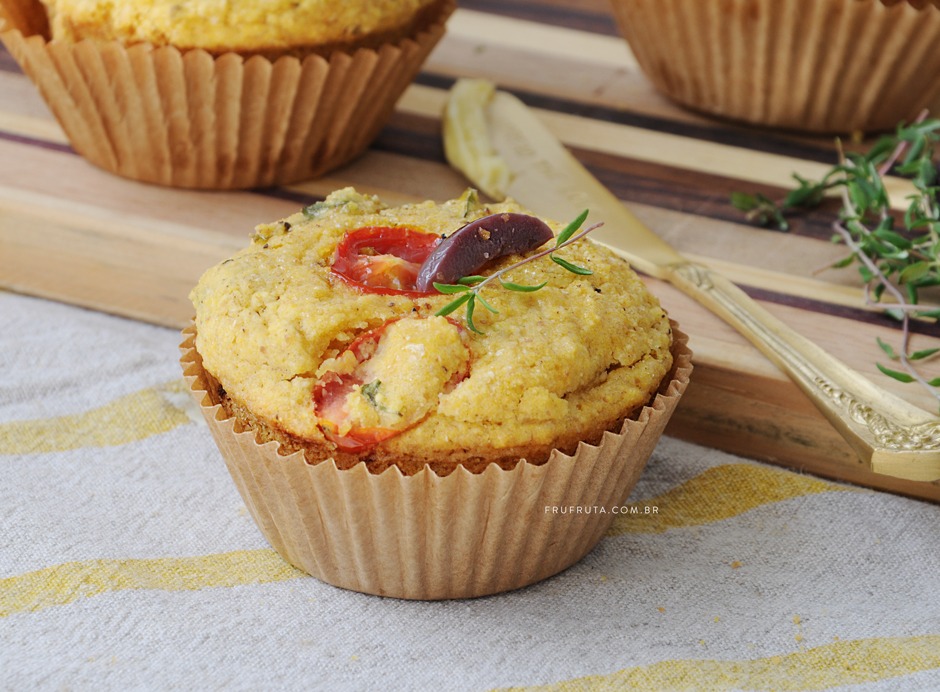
x=194, y=120
x=838, y=66
x=430, y=537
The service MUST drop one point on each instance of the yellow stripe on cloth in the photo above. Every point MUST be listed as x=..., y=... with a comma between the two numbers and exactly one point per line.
x=718, y=493
x=831, y=665
x=72, y=581
x=130, y=418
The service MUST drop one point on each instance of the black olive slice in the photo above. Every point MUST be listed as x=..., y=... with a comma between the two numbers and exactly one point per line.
x=466, y=251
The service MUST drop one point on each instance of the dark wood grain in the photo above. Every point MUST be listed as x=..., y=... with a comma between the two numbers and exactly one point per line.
x=587, y=15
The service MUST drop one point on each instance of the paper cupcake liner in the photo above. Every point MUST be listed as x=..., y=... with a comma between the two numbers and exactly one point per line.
x=426, y=536
x=189, y=119
x=834, y=66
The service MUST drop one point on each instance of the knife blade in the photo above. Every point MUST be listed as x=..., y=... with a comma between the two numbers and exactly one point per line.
x=482, y=124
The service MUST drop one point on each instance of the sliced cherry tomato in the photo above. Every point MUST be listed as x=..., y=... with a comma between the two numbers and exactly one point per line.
x=384, y=259
x=331, y=392
x=330, y=401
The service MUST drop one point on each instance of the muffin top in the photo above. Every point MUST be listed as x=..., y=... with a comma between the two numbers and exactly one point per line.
x=318, y=330
x=252, y=26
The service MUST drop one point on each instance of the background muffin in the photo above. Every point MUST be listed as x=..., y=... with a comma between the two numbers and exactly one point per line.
x=236, y=105
x=540, y=424
x=272, y=27
x=821, y=66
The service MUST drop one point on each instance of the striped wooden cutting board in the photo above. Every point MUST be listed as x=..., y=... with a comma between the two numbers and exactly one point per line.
x=74, y=233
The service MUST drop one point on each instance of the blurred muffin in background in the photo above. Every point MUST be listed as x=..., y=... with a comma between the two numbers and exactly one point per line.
x=219, y=94
x=834, y=66
x=271, y=27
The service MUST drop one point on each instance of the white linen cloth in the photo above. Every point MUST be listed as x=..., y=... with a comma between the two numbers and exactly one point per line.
x=128, y=561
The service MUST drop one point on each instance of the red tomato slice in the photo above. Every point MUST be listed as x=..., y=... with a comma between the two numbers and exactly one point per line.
x=329, y=397
x=331, y=390
x=383, y=259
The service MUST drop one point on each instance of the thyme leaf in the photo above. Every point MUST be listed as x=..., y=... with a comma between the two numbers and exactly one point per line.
x=571, y=228
x=573, y=268
x=453, y=306
x=370, y=390
x=451, y=288
x=509, y=285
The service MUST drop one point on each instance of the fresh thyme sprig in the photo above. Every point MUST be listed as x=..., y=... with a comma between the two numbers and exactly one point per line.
x=468, y=288
x=894, y=260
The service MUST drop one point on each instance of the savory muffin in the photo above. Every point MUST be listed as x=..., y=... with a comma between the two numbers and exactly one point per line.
x=388, y=439
x=256, y=26
x=318, y=338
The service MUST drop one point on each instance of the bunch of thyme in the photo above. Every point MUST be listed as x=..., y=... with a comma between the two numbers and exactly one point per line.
x=468, y=288
x=896, y=257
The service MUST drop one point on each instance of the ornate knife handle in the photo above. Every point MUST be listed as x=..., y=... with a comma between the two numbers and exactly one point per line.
x=892, y=436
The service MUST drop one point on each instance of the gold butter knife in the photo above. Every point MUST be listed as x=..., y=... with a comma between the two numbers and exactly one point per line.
x=504, y=149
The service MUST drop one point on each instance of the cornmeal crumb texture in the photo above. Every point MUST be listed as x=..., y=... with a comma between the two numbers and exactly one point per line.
x=222, y=25
x=559, y=364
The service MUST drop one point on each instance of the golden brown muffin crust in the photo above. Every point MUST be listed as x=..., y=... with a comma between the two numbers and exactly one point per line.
x=265, y=27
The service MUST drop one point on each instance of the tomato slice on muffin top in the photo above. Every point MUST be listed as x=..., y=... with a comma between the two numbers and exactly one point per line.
x=384, y=259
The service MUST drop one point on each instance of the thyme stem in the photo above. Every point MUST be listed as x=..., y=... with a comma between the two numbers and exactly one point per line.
x=894, y=261
x=905, y=308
